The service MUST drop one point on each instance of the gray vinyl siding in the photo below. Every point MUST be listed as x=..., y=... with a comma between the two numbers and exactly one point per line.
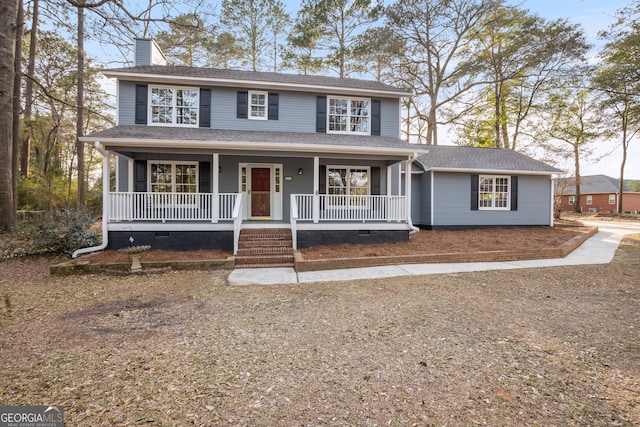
x=416, y=198
x=126, y=103
x=122, y=169
x=143, y=52
x=424, y=187
x=395, y=181
x=452, y=202
x=296, y=112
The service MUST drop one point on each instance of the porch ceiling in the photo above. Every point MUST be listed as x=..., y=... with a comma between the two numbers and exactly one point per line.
x=216, y=139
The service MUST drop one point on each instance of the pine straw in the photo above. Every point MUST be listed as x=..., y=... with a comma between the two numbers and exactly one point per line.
x=552, y=346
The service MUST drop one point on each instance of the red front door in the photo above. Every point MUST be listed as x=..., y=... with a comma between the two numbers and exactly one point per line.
x=260, y=192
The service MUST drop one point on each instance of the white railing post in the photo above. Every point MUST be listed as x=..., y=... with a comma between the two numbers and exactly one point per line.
x=237, y=222
x=294, y=218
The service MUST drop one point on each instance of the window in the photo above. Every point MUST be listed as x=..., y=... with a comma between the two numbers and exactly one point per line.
x=494, y=192
x=572, y=200
x=348, y=181
x=174, y=106
x=173, y=177
x=349, y=115
x=258, y=105
x=589, y=200
x=612, y=199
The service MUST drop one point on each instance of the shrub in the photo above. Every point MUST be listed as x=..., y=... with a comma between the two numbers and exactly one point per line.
x=61, y=232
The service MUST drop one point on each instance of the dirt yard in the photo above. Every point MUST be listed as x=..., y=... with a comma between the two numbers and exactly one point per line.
x=554, y=347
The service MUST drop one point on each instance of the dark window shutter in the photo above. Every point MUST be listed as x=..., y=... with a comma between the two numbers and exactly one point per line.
x=322, y=179
x=141, y=104
x=204, y=178
x=375, y=117
x=273, y=106
x=475, y=194
x=140, y=172
x=375, y=181
x=243, y=105
x=205, y=108
x=514, y=193
x=321, y=114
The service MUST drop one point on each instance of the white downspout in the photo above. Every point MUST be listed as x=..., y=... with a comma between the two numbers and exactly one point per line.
x=105, y=201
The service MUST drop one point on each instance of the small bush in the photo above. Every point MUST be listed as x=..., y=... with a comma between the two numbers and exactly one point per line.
x=62, y=232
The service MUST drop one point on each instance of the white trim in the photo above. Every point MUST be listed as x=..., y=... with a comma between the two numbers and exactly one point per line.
x=490, y=171
x=174, y=116
x=493, y=192
x=276, y=197
x=349, y=101
x=266, y=105
x=213, y=81
x=393, y=225
x=553, y=199
x=169, y=226
x=433, y=186
x=252, y=146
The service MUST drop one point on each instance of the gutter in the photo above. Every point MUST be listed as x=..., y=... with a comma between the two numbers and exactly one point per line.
x=105, y=188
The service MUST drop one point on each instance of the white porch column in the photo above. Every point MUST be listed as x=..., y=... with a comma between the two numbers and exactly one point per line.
x=215, y=175
x=106, y=189
x=389, y=171
x=316, y=189
x=407, y=186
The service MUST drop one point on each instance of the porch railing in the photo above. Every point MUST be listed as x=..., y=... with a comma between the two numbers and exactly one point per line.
x=171, y=206
x=328, y=207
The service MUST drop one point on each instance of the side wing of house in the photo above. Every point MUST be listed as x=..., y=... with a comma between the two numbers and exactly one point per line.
x=471, y=200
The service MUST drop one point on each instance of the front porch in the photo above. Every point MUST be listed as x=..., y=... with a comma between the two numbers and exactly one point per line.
x=148, y=214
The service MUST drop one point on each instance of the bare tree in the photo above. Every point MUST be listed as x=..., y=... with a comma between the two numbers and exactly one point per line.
x=436, y=33
x=8, y=20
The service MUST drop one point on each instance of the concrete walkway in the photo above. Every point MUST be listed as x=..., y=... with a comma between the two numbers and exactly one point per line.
x=599, y=249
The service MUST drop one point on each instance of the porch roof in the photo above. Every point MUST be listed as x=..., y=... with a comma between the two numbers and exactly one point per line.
x=205, y=138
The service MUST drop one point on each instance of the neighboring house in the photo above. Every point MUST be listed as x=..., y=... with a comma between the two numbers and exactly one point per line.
x=598, y=193
x=461, y=187
x=202, y=154
x=208, y=158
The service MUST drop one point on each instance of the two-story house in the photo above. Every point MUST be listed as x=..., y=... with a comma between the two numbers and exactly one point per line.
x=204, y=155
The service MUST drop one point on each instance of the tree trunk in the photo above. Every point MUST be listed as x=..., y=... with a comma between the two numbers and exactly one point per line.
x=8, y=19
x=80, y=109
x=25, y=153
x=577, y=207
x=15, y=144
x=625, y=144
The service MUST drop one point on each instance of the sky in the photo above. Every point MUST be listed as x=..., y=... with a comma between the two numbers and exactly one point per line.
x=594, y=16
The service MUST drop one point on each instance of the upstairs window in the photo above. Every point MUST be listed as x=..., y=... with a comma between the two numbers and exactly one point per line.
x=494, y=192
x=173, y=106
x=258, y=105
x=349, y=115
